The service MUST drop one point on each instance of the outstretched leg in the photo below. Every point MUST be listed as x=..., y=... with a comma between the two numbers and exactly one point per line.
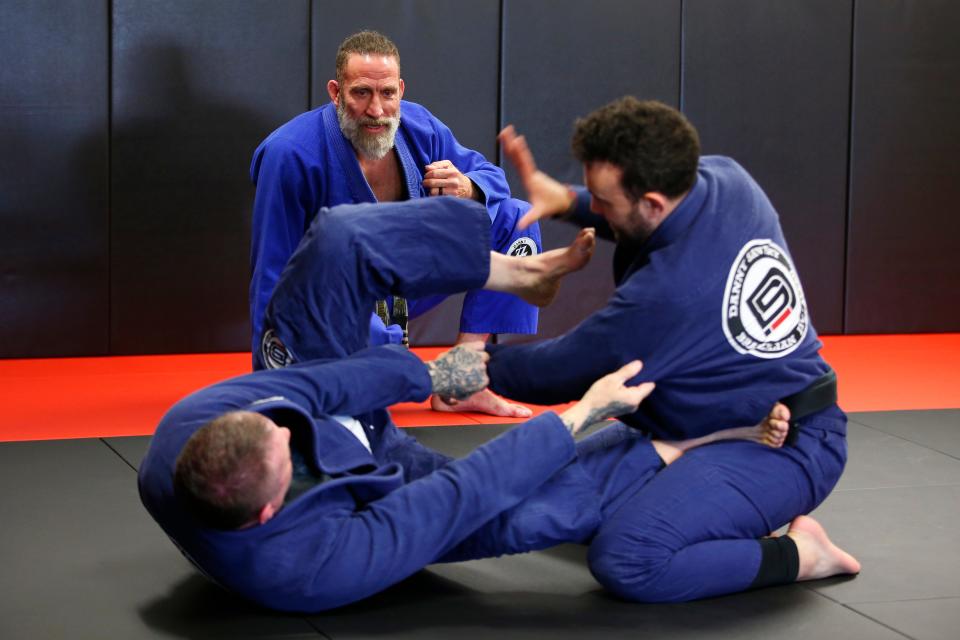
x=354, y=255
x=771, y=431
x=536, y=279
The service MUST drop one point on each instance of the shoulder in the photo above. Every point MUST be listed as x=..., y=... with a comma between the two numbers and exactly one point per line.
x=299, y=142
x=416, y=112
x=419, y=121
x=302, y=132
x=723, y=169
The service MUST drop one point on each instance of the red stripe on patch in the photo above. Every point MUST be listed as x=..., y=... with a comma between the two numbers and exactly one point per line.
x=783, y=316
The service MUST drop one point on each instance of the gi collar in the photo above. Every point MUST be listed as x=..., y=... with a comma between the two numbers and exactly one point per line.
x=360, y=190
x=334, y=449
x=679, y=219
x=627, y=258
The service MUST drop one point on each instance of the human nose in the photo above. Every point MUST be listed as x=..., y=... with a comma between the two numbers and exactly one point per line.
x=375, y=108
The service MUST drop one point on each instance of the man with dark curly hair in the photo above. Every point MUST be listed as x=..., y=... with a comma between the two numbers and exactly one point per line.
x=708, y=297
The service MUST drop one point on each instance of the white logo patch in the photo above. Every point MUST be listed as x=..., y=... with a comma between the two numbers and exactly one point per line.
x=523, y=247
x=764, y=311
x=272, y=351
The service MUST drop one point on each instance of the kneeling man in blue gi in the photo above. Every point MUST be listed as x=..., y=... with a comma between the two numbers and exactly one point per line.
x=369, y=145
x=709, y=299
x=292, y=486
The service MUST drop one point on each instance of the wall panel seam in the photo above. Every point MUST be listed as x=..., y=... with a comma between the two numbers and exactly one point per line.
x=848, y=214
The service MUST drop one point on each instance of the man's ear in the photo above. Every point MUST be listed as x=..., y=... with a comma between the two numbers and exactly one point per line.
x=333, y=90
x=656, y=201
x=267, y=512
x=401, y=88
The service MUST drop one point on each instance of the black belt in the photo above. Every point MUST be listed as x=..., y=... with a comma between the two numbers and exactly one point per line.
x=820, y=395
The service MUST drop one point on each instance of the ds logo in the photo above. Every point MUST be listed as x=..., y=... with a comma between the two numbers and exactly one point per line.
x=764, y=311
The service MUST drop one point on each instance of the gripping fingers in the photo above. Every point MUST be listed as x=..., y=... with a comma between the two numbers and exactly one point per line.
x=642, y=390
x=628, y=371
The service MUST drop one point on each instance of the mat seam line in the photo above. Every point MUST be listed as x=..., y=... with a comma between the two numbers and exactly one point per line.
x=859, y=613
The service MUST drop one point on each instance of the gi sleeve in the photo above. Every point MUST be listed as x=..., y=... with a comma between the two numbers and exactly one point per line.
x=287, y=197
x=563, y=368
x=399, y=534
x=366, y=381
x=487, y=176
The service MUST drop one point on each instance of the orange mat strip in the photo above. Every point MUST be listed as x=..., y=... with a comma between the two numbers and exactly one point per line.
x=896, y=372
x=121, y=396
x=56, y=398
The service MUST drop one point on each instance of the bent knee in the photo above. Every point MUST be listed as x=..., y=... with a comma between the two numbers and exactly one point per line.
x=641, y=570
x=334, y=228
x=631, y=569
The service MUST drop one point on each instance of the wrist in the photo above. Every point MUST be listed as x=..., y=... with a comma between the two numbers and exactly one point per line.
x=432, y=372
x=575, y=417
x=474, y=192
x=571, y=199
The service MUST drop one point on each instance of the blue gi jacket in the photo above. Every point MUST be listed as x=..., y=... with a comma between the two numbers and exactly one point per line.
x=307, y=164
x=717, y=258
x=383, y=515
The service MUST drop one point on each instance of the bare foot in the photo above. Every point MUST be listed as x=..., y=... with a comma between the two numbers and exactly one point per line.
x=819, y=557
x=483, y=402
x=771, y=431
x=774, y=428
x=668, y=451
x=539, y=276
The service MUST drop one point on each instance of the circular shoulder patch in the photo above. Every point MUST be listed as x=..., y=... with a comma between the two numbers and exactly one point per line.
x=764, y=311
x=522, y=247
x=272, y=351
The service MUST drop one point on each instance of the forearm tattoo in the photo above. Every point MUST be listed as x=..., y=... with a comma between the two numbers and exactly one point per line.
x=458, y=374
x=610, y=410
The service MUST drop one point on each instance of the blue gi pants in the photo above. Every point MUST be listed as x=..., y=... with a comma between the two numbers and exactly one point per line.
x=489, y=304
x=684, y=532
x=691, y=531
x=354, y=255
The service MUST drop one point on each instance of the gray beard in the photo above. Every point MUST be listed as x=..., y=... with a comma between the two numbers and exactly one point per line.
x=374, y=147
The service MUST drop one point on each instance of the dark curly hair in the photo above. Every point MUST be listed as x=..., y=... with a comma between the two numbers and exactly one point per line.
x=654, y=144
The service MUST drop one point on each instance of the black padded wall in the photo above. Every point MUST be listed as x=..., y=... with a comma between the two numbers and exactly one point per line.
x=562, y=59
x=128, y=127
x=53, y=178
x=449, y=57
x=767, y=83
x=903, y=271
x=196, y=86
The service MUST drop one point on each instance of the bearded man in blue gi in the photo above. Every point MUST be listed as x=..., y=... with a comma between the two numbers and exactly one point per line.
x=708, y=298
x=367, y=145
x=292, y=487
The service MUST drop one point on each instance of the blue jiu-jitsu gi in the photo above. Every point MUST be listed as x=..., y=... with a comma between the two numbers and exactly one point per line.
x=387, y=512
x=712, y=304
x=307, y=164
